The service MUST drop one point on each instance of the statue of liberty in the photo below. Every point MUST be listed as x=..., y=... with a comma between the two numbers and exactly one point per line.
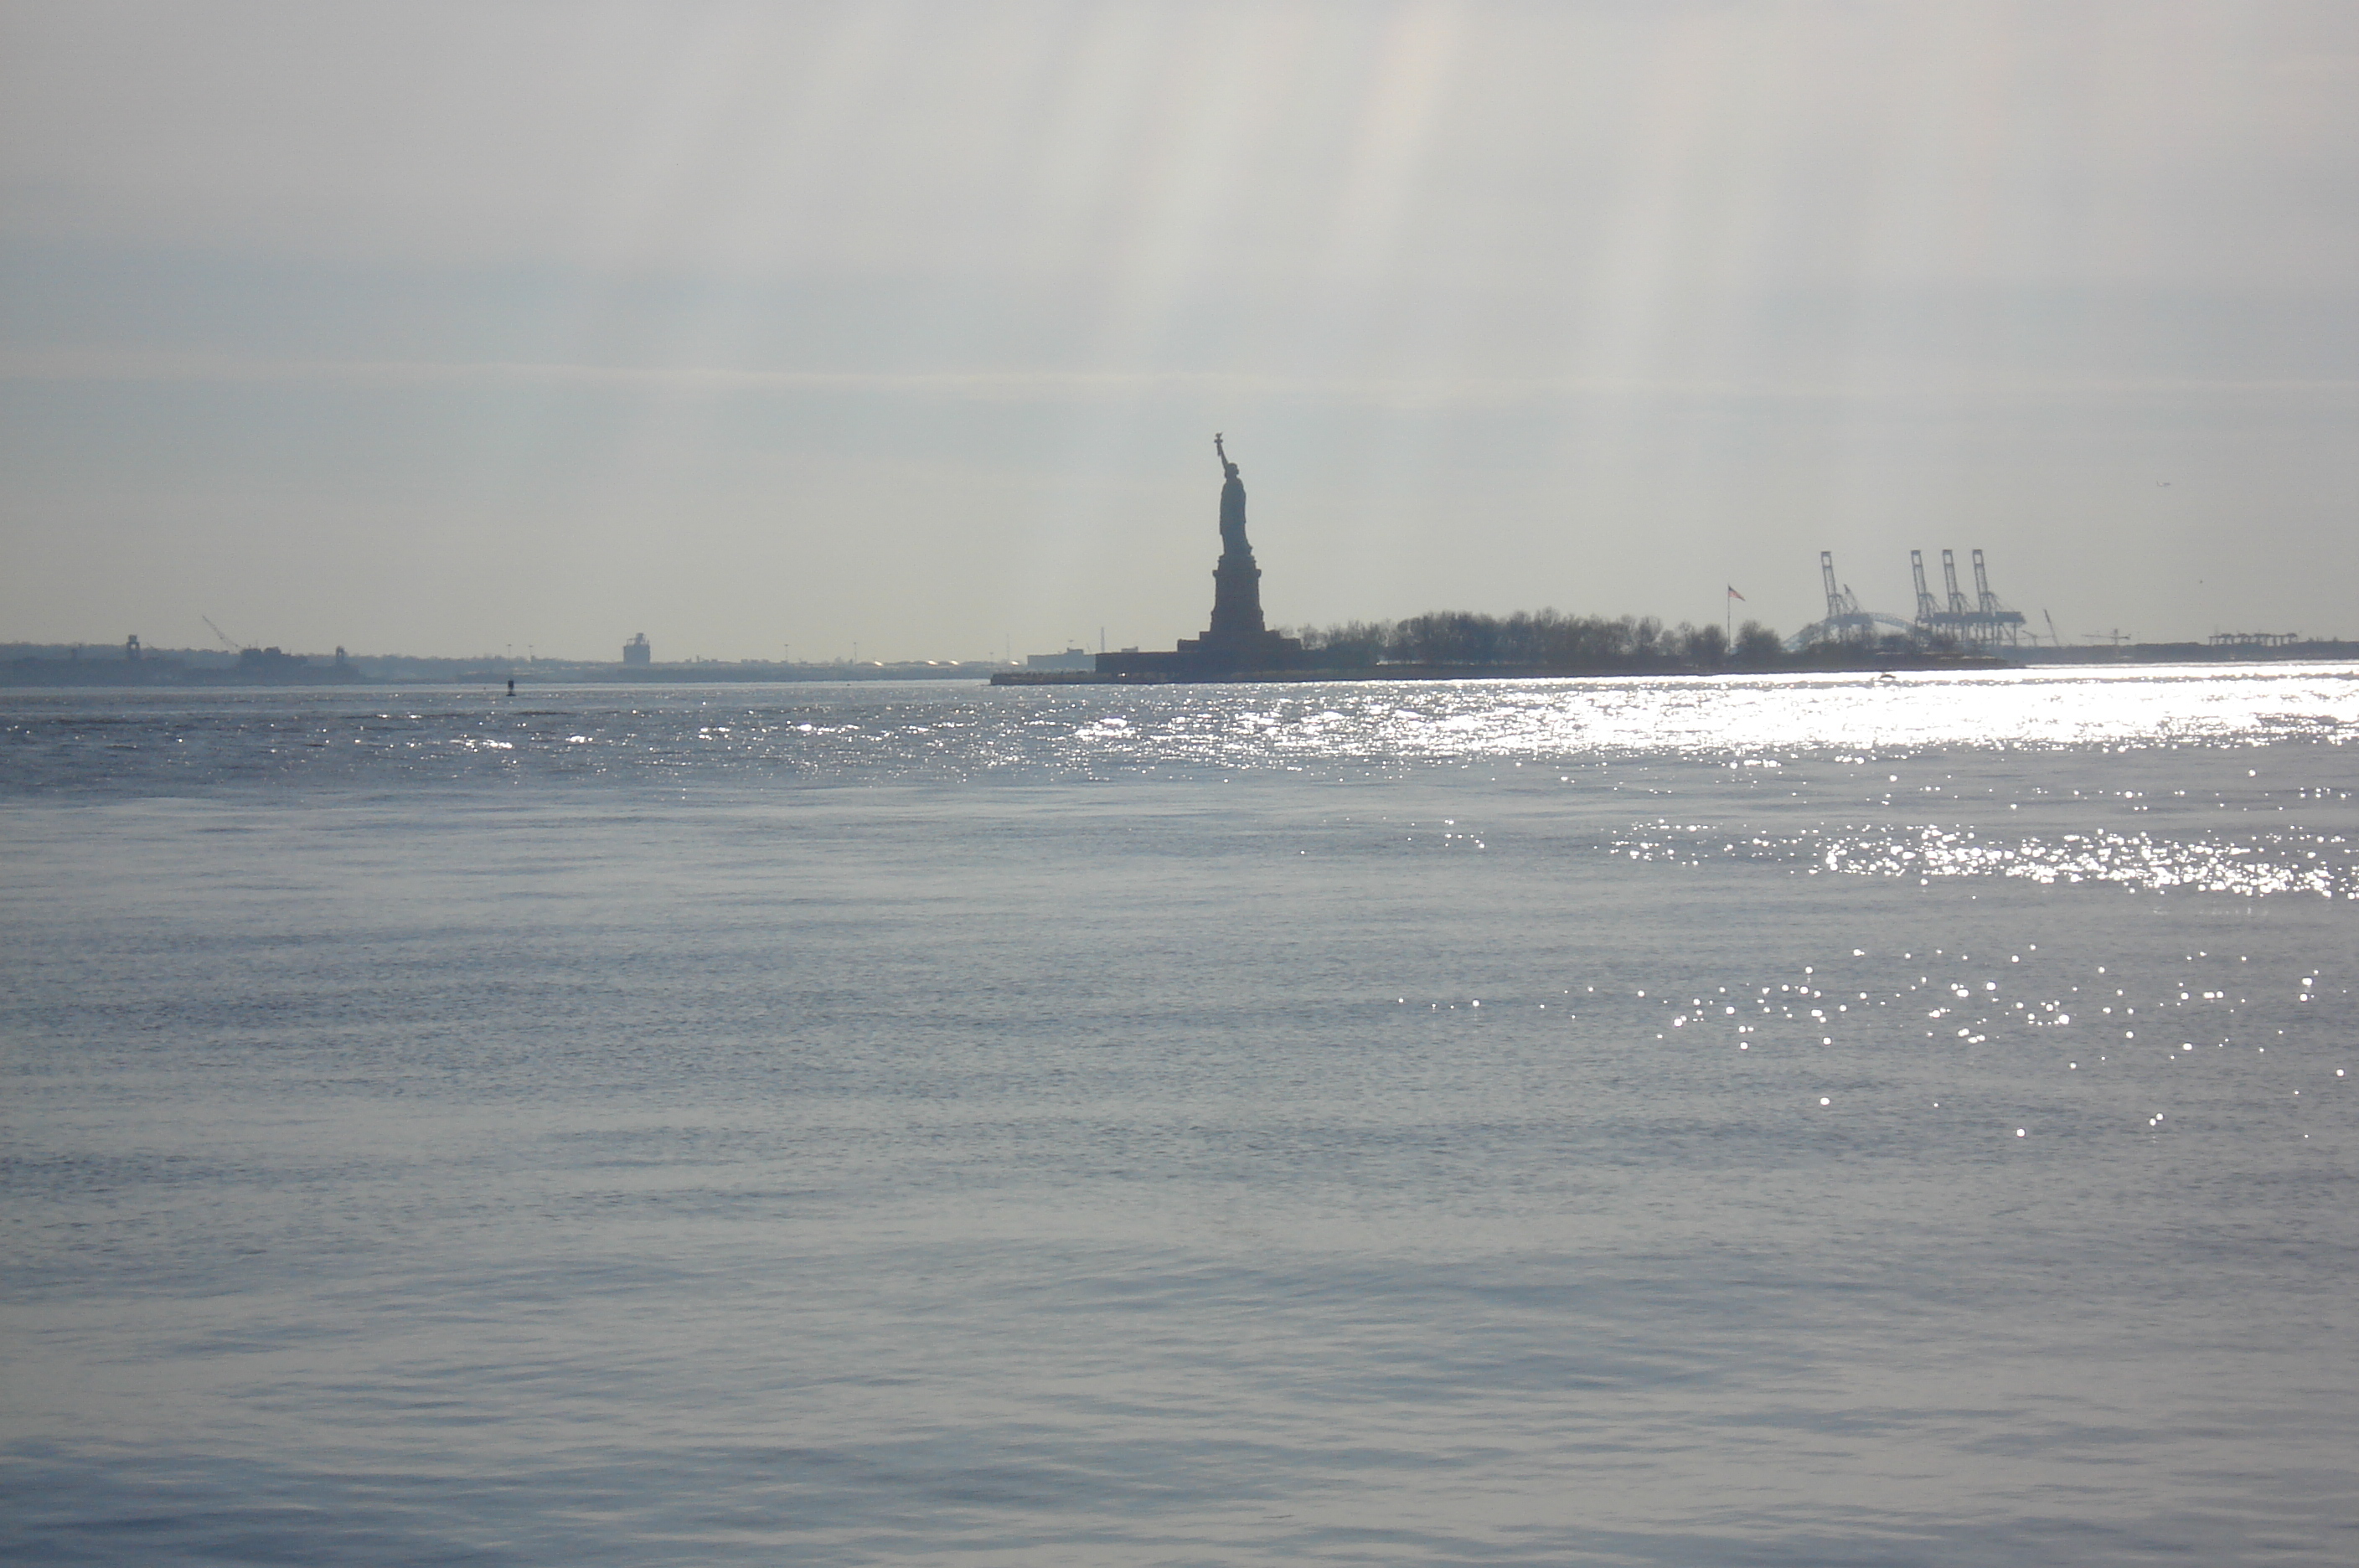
x=1233, y=507
x=1238, y=645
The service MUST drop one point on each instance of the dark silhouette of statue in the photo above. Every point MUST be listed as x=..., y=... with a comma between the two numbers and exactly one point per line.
x=1239, y=644
x=1237, y=630
x=1233, y=507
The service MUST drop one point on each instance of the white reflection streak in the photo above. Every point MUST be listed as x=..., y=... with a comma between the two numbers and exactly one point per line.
x=2133, y=860
x=1734, y=719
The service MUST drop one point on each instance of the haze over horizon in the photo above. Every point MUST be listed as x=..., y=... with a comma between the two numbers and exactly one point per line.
x=438, y=328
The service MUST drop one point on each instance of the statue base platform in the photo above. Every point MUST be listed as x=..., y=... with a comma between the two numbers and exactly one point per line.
x=1209, y=655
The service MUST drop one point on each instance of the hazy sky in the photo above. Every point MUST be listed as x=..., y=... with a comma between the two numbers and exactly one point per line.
x=442, y=328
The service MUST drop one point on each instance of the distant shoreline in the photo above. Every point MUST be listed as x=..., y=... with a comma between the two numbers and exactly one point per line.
x=157, y=674
x=167, y=673
x=1835, y=662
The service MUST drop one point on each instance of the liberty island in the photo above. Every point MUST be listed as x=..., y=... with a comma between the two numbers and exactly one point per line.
x=1238, y=645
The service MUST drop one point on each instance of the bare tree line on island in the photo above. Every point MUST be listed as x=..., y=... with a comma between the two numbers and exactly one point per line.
x=1543, y=639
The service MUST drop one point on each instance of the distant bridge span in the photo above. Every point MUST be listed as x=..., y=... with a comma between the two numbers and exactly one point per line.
x=1854, y=626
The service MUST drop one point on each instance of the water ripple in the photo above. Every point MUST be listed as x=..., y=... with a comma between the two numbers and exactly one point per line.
x=141, y=743
x=2253, y=865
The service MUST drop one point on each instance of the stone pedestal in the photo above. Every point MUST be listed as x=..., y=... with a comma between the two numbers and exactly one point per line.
x=1236, y=601
x=1238, y=638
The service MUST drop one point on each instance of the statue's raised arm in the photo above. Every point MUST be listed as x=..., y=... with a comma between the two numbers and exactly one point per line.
x=1228, y=469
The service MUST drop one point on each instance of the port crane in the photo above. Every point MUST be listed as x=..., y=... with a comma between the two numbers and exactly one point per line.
x=1982, y=622
x=1950, y=580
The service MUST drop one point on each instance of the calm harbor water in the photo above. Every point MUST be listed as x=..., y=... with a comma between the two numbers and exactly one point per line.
x=1754, y=1121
